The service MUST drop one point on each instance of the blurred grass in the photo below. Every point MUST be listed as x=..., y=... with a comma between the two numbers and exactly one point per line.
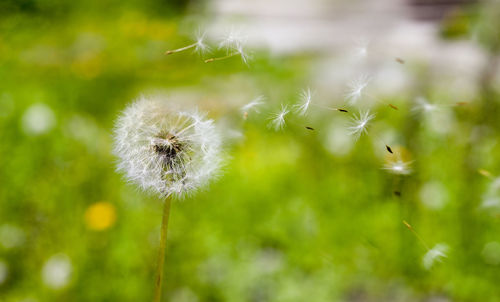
x=288, y=221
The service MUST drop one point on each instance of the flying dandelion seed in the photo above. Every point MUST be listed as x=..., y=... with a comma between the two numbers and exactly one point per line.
x=253, y=106
x=356, y=89
x=166, y=151
x=236, y=50
x=231, y=40
x=423, y=106
x=359, y=124
x=200, y=46
x=278, y=119
x=434, y=255
x=399, y=167
x=305, y=101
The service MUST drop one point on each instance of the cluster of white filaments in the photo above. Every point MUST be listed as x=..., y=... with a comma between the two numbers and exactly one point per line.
x=166, y=151
x=434, y=255
x=398, y=167
x=356, y=89
x=278, y=119
x=359, y=124
x=305, y=101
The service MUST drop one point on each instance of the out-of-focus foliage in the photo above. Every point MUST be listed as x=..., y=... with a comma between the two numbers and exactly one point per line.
x=290, y=219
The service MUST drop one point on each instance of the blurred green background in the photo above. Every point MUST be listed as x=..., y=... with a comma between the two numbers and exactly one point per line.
x=289, y=220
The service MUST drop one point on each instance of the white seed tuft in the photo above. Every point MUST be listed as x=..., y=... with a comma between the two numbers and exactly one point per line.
x=359, y=124
x=278, y=119
x=166, y=151
x=305, y=101
x=436, y=254
x=356, y=89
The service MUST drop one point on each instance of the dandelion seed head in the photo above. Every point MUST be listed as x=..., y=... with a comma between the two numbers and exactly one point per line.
x=356, y=89
x=278, y=119
x=305, y=101
x=434, y=255
x=164, y=150
x=359, y=123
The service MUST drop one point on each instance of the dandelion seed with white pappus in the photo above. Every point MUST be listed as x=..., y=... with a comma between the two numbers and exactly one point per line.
x=424, y=106
x=359, y=124
x=235, y=51
x=434, y=255
x=200, y=46
x=305, y=101
x=399, y=167
x=253, y=106
x=356, y=89
x=278, y=119
x=231, y=40
x=168, y=152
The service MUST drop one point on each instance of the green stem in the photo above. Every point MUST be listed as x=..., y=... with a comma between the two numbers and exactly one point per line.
x=163, y=245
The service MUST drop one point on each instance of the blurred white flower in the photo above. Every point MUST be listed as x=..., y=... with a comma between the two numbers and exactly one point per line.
x=398, y=167
x=38, y=119
x=359, y=123
x=433, y=195
x=338, y=141
x=4, y=271
x=11, y=236
x=436, y=254
x=278, y=119
x=305, y=101
x=356, y=88
x=56, y=272
x=164, y=150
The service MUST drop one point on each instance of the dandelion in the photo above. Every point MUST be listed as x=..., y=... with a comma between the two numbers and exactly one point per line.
x=253, y=105
x=168, y=152
x=436, y=254
x=305, y=101
x=356, y=89
x=199, y=46
x=278, y=119
x=359, y=124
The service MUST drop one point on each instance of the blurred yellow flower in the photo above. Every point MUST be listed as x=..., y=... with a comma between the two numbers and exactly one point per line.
x=100, y=216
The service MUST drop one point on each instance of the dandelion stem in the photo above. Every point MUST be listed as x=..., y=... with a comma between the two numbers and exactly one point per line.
x=161, y=253
x=416, y=234
x=222, y=58
x=169, y=52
